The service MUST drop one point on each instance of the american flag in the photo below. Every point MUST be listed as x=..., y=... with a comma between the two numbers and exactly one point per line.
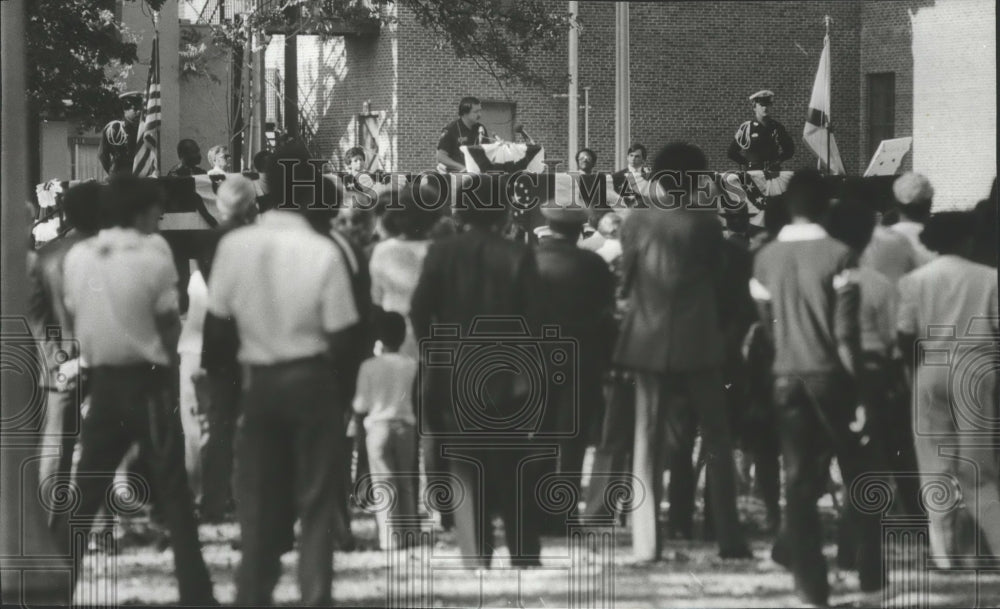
x=147, y=155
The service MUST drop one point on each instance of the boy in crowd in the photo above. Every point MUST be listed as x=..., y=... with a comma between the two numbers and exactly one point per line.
x=807, y=295
x=384, y=395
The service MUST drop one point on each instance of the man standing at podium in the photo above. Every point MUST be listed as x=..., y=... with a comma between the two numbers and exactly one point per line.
x=464, y=131
x=762, y=143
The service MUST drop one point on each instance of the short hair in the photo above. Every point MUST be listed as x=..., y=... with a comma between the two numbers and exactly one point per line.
x=678, y=156
x=636, y=148
x=408, y=218
x=260, y=161
x=593, y=155
x=127, y=197
x=807, y=195
x=852, y=221
x=186, y=143
x=912, y=188
x=82, y=206
x=236, y=195
x=390, y=328
x=215, y=151
x=948, y=232
x=465, y=105
x=776, y=215
x=355, y=151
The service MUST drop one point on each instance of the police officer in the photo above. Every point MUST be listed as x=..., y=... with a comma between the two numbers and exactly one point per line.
x=762, y=143
x=464, y=131
x=118, y=146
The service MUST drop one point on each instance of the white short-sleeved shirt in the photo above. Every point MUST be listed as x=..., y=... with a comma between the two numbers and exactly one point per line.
x=117, y=283
x=948, y=292
x=285, y=285
x=950, y=305
x=395, y=268
x=385, y=389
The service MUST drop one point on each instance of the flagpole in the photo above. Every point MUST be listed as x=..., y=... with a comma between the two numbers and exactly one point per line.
x=829, y=100
x=156, y=60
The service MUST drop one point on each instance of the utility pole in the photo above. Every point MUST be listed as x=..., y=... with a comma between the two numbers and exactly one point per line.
x=622, y=78
x=292, y=72
x=574, y=77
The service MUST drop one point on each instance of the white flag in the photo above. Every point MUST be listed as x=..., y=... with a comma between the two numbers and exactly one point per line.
x=817, y=133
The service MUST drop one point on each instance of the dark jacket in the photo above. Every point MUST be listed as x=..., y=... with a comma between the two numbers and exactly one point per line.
x=469, y=277
x=674, y=267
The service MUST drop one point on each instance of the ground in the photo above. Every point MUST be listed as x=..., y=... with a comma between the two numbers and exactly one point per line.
x=689, y=576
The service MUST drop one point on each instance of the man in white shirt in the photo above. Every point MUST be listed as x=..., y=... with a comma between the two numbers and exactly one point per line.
x=121, y=291
x=948, y=326
x=287, y=288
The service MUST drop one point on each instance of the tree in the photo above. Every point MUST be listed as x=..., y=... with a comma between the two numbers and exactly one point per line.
x=500, y=36
x=77, y=53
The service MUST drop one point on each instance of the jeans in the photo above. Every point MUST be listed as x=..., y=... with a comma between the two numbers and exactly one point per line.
x=813, y=413
x=135, y=404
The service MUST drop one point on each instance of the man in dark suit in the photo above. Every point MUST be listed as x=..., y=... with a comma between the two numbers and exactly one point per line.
x=578, y=290
x=632, y=181
x=672, y=338
x=479, y=273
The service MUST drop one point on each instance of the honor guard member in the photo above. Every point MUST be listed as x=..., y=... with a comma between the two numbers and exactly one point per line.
x=117, y=148
x=761, y=143
x=464, y=131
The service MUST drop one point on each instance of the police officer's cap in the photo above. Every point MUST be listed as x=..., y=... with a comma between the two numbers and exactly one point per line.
x=131, y=98
x=764, y=97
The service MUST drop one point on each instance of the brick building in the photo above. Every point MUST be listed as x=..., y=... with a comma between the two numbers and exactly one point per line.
x=900, y=68
x=921, y=68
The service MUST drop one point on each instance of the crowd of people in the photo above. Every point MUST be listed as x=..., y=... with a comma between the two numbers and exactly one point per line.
x=294, y=374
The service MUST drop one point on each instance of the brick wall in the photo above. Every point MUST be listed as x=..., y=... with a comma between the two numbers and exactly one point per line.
x=695, y=64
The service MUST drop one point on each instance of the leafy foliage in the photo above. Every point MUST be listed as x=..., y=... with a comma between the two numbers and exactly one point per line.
x=500, y=36
x=78, y=56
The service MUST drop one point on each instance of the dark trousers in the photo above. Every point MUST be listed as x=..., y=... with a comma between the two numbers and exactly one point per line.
x=883, y=390
x=288, y=443
x=223, y=411
x=492, y=479
x=814, y=412
x=135, y=404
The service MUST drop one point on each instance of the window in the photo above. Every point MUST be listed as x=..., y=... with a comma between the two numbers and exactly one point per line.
x=84, y=159
x=881, y=109
x=498, y=118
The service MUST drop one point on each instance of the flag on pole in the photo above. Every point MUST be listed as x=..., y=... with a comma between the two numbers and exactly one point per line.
x=147, y=154
x=817, y=134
